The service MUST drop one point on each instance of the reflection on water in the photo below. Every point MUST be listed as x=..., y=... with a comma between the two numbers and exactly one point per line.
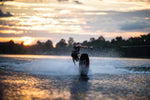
x=26, y=87
x=26, y=77
x=22, y=86
x=34, y=56
x=79, y=88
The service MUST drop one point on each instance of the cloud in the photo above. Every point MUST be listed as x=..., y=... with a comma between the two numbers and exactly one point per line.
x=61, y=0
x=136, y=13
x=134, y=26
x=77, y=2
x=134, y=20
x=6, y=0
x=130, y=0
x=116, y=21
x=5, y=15
x=67, y=19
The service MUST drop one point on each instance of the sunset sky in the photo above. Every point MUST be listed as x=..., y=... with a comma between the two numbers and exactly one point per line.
x=80, y=19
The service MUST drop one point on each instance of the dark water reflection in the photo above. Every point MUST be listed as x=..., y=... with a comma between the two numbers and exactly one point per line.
x=79, y=88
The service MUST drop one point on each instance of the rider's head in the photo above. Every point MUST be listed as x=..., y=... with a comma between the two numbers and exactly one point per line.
x=78, y=43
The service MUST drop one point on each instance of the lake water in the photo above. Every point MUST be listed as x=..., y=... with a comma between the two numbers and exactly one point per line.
x=56, y=77
x=63, y=65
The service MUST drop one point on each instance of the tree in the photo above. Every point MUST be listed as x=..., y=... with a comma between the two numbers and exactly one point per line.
x=70, y=41
x=11, y=42
x=101, y=38
x=119, y=38
x=38, y=42
x=42, y=47
x=49, y=45
x=61, y=46
x=92, y=39
x=146, y=39
x=85, y=42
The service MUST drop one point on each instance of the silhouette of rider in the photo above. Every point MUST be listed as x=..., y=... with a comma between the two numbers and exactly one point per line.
x=76, y=51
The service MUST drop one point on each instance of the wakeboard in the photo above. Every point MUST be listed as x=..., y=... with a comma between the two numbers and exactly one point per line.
x=84, y=64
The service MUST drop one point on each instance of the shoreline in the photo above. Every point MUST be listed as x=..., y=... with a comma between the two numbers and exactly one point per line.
x=70, y=56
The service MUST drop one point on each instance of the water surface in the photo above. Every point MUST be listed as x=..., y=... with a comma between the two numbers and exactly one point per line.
x=56, y=77
x=63, y=65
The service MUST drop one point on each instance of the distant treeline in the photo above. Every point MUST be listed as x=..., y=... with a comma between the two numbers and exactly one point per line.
x=131, y=47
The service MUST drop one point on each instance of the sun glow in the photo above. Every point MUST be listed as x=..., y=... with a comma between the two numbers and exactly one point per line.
x=27, y=40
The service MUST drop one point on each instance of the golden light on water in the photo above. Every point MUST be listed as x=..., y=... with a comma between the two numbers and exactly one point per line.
x=27, y=89
x=26, y=86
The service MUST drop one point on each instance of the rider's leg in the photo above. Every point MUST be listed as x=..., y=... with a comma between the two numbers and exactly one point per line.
x=73, y=60
x=72, y=54
x=79, y=55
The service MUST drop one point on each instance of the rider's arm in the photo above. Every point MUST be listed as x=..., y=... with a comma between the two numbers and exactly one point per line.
x=86, y=47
